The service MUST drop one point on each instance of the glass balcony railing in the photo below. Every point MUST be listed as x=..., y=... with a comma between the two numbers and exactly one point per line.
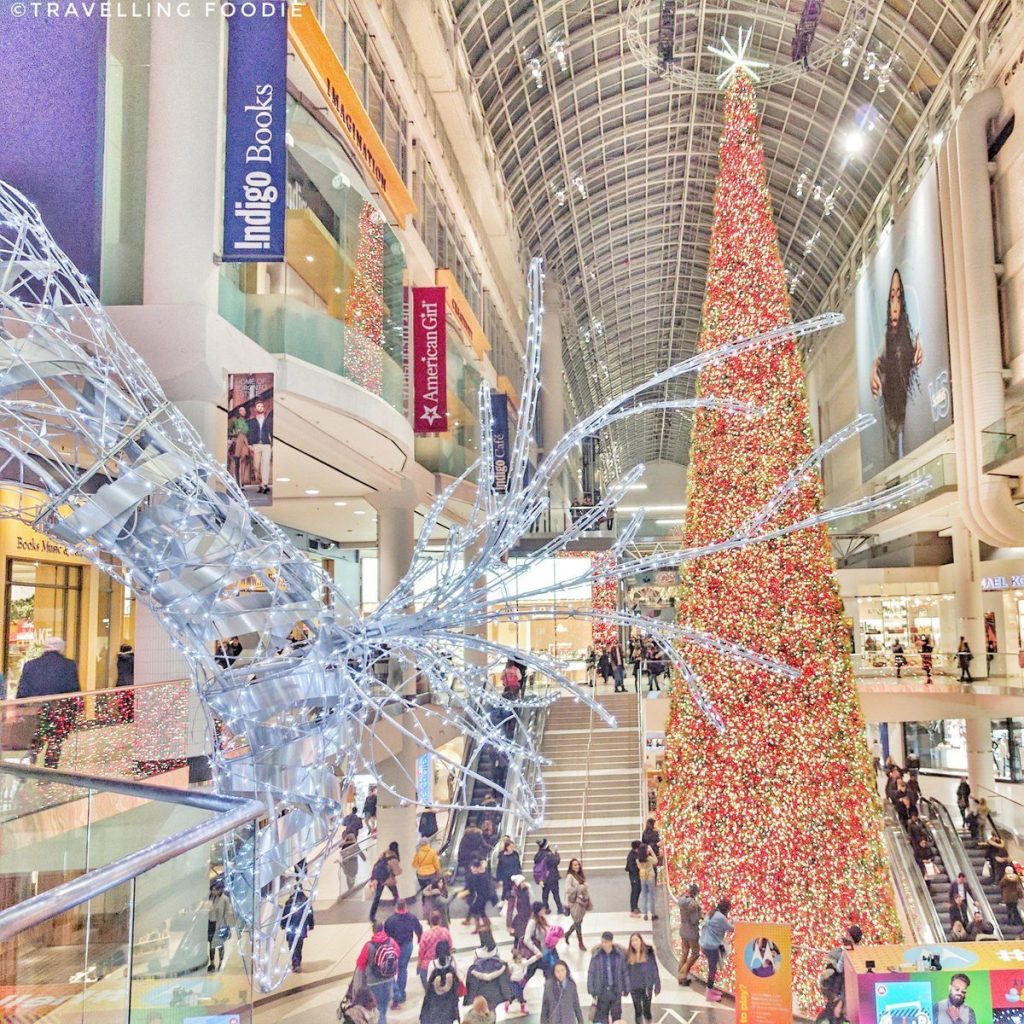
x=286, y=325
x=1002, y=440
x=128, y=732
x=444, y=455
x=107, y=897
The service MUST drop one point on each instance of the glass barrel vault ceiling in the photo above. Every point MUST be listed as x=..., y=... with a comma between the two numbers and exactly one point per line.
x=631, y=254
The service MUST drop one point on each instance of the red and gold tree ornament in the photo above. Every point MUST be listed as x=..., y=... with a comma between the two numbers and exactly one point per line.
x=365, y=310
x=779, y=812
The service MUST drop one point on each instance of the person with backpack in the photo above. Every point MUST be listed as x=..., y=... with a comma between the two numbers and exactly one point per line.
x=712, y=944
x=577, y=898
x=441, y=982
x=689, y=932
x=378, y=966
x=642, y=977
x=561, y=1002
x=607, y=982
x=488, y=977
x=647, y=864
x=403, y=926
x=545, y=874
x=634, y=878
x=384, y=876
x=297, y=922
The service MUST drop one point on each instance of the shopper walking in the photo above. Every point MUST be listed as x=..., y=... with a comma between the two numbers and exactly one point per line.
x=689, y=933
x=963, y=799
x=430, y=941
x=1010, y=894
x=546, y=874
x=441, y=984
x=383, y=876
x=633, y=871
x=642, y=977
x=297, y=922
x=219, y=918
x=561, y=1002
x=536, y=939
x=577, y=899
x=377, y=965
x=618, y=662
x=606, y=980
x=404, y=927
x=509, y=864
x=519, y=911
x=426, y=864
x=370, y=810
x=652, y=837
x=480, y=892
x=604, y=665
x=48, y=675
x=964, y=657
x=488, y=977
x=636, y=659
x=647, y=865
x=428, y=823
x=927, y=656
x=712, y=944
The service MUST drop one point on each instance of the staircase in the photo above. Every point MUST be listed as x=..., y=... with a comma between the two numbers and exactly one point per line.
x=592, y=787
x=977, y=856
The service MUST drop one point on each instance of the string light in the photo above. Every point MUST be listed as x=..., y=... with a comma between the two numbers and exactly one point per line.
x=365, y=310
x=791, y=830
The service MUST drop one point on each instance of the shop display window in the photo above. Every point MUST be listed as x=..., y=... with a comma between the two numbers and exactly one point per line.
x=884, y=621
x=1007, y=739
x=941, y=745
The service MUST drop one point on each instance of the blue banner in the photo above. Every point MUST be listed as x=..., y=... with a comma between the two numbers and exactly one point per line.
x=500, y=440
x=254, y=146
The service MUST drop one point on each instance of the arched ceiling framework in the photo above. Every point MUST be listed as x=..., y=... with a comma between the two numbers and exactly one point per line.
x=632, y=255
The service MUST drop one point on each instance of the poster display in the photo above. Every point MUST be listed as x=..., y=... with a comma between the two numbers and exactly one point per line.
x=251, y=434
x=902, y=336
x=430, y=361
x=764, y=973
x=956, y=983
x=255, y=155
x=500, y=440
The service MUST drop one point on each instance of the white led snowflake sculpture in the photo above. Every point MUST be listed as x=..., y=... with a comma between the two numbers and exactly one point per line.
x=126, y=482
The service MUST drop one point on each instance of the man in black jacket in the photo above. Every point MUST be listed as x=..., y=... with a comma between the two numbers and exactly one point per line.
x=50, y=674
x=403, y=926
x=606, y=980
x=633, y=870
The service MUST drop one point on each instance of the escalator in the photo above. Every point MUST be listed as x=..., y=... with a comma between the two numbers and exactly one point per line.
x=977, y=856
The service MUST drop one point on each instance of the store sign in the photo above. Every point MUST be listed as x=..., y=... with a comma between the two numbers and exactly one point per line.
x=461, y=311
x=314, y=50
x=500, y=440
x=764, y=970
x=1002, y=583
x=254, y=142
x=430, y=360
x=424, y=793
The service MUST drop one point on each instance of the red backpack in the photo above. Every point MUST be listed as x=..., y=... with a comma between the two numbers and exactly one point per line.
x=383, y=960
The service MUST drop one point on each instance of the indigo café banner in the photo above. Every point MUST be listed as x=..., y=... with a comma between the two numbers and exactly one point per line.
x=430, y=360
x=251, y=435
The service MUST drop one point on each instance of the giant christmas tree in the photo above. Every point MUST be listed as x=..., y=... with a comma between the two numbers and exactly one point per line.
x=365, y=310
x=779, y=813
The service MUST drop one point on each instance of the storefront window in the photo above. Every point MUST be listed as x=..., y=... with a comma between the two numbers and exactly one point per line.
x=42, y=600
x=941, y=745
x=1007, y=739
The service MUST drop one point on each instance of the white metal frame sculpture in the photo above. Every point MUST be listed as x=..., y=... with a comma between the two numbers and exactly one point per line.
x=126, y=481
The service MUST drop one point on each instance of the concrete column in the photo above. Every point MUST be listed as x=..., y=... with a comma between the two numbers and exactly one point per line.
x=980, y=767
x=896, y=746
x=970, y=619
x=396, y=535
x=184, y=163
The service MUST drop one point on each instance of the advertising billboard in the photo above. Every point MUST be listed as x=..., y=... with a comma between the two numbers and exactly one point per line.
x=764, y=973
x=430, y=361
x=251, y=434
x=902, y=337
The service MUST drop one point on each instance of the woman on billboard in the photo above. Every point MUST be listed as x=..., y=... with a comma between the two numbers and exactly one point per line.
x=894, y=373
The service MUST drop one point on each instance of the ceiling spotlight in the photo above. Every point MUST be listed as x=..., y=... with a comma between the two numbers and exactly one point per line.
x=854, y=142
x=284, y=479
x=340, y=504
x=312, y=491
x=309, y=259
x=358, y=512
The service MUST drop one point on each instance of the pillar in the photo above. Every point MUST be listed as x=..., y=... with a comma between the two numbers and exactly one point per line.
x=970, y=619
x=183, y=165
x=980, y=768
x=396, y=820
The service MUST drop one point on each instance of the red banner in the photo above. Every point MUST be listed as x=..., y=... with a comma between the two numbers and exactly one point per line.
x=430, y=356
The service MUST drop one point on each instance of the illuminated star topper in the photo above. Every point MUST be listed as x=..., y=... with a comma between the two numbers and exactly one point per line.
x=737, y=59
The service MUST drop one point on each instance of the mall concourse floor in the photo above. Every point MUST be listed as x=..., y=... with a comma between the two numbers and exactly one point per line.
x=342, y=928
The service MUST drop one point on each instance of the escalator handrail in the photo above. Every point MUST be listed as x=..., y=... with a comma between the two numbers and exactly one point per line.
x=922, y=905
x=950, y=836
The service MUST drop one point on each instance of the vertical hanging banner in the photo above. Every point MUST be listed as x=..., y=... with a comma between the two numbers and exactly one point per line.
x=430, y=361
x=764, y=969
x=500, y=440
x=251, y=434
x=254, y=139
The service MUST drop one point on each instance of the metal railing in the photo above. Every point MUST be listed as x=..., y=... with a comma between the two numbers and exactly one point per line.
x=231, y=813
x=910, y=888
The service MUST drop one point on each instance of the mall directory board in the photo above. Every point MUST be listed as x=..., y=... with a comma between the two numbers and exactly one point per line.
x=951, y=983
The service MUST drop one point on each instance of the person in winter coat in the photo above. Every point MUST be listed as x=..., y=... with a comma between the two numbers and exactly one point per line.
x=480, y=890
x=404, y=927
x=471, y=847
x=1010, y=893
x=488, y=977
x=370, y=810
x=577, y=899
x=436, y=900
x=634, y=879
x=519, y=911
x=219, y=918
x=479, y=1013
x=642, y=976
x=561, y=1003
x=509, y=864
x=297, y=924
x=545, y=873
x=712, y=944
x=606, y=980
x=428, y=823
x=963, y=799
x=433, y=936
x=384, y=875
x=647, y=866
x=689, y=933
x=426, y=863
x=652, y=838
x=376, y=967
x=604, y=666
x=441, y=984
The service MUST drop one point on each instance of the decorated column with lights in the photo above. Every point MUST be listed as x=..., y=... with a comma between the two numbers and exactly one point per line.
x=779, y=812
x=364, y=312
x=604, y=593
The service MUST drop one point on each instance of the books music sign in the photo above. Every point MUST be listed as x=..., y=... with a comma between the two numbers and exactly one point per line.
x=430, y=356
